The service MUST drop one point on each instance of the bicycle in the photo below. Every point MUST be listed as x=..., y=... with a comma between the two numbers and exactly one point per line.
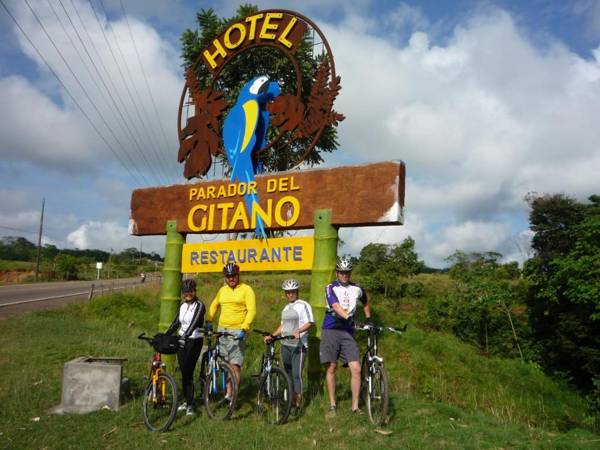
x=374, y=383
x=159, y=406
x=215, y=375
x=274, y=400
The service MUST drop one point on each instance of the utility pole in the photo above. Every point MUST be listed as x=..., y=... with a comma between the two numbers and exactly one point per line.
x=37, y=263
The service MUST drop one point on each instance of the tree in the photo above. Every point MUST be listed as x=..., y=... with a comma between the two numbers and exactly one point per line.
x=383, y=267
x=260, y=60
x=17, y=248
x=564, y=299
x=67, y=266
x=468, y=266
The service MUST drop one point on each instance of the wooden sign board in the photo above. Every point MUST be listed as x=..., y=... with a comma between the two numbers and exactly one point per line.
x=364, y=195
x=251, y=255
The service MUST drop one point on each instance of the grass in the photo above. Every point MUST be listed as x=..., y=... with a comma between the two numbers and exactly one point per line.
x=445, y=395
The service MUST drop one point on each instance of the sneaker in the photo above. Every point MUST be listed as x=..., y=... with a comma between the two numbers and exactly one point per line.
x=357, y=412
x=189, y=411
x=331, y=413
x=182, y=407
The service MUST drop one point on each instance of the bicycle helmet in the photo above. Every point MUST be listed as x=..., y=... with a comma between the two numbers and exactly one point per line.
x=290, y=285
x=343, y=265
x=188, y=285
x=231, y=269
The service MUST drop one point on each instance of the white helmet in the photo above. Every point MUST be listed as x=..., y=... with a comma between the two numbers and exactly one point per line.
x=343, y=265
x=290, y=285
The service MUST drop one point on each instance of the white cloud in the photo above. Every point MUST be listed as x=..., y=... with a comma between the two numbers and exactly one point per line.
x=108, y=83
x=479, y=122
x=480, y=119
x=34, y=128
x=112, y=235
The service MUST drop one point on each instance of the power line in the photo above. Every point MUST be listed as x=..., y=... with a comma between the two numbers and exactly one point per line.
x=79, y=53
x=123, y=78
x=114, y=152
x=17, y=229
x=124, y=124
x=159, y=154
x=145, y=79
x=83, y=88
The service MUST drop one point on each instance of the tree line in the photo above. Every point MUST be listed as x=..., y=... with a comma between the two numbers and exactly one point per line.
x=547, y=313
x=73, y=264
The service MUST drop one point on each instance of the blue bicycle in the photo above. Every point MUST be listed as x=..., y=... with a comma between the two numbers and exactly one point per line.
x=218, y=384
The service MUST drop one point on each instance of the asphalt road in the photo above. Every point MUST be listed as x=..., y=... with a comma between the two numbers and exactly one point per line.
x=20, y=298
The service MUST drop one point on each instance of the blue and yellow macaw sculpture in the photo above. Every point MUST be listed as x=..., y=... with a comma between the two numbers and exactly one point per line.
x=244, y=134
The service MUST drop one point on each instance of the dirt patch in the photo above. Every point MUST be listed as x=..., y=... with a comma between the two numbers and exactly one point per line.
x=16, y=276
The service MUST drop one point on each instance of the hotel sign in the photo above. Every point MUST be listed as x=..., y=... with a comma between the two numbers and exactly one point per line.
x=363, y=195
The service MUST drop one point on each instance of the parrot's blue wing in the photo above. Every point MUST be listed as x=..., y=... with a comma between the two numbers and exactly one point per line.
x=233, y=133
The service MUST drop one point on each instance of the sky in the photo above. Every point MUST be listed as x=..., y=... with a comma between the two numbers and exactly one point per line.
x=484, y=101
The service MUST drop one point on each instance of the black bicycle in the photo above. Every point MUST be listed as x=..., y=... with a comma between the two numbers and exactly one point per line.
x=218, y=385
x=274, y=400
x=374, y=383
x=159, y=406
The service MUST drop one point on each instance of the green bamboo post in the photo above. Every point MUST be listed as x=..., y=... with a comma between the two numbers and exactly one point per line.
x=171, y=281
x=326, y=240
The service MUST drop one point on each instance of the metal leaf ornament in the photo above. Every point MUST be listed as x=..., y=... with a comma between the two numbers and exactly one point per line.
x=199, y=140
x=320, y=103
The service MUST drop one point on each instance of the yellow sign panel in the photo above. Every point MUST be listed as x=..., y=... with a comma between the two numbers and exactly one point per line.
x=267, y=254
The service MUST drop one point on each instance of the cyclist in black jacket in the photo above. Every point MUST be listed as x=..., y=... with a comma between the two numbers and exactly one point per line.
x=188, y=320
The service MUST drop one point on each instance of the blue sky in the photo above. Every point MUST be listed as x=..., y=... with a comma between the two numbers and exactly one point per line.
x=485, y=101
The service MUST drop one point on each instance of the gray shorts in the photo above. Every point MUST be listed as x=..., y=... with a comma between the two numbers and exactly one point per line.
x=232, y=350
x=338, y=344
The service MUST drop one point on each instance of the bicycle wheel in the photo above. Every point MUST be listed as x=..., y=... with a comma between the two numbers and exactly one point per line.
x=202, y=375
x=218, y=406
x=377, y=399
x=275, y=396
x=160, y=403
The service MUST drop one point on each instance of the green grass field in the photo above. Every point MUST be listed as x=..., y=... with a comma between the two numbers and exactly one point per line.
x=444, y=393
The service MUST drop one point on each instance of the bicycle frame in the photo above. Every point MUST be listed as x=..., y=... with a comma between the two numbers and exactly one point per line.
x=155, y=370
x=159, y=405
x=275, y=386
x=373, y=371
x=213, y=358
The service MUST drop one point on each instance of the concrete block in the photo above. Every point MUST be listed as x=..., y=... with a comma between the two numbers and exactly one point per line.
x=90, y=384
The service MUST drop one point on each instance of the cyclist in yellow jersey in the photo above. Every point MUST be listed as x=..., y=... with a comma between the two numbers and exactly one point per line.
x=237, y=304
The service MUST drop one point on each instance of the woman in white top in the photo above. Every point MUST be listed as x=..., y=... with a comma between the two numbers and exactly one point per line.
x=296, y=319
x=189, y=320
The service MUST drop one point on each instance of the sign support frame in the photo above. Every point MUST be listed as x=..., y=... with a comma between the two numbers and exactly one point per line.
x=170, y=288
x=326, y=242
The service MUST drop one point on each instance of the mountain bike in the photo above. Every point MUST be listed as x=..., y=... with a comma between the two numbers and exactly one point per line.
x=374, y=383
x=274, y=400
x=159, y=406
x=215, y=376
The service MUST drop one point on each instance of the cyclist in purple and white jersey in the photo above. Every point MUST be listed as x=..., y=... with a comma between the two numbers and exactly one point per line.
x=337, y=339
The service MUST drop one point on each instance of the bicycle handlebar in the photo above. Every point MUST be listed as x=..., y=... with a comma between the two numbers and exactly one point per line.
x=212, y=332
x=367, y=327
x=143, y=337
x=274, y=338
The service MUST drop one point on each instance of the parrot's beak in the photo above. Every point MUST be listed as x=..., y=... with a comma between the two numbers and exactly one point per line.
x=264, y=87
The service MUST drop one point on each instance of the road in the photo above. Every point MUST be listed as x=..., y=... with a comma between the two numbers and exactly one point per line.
x=19, y=298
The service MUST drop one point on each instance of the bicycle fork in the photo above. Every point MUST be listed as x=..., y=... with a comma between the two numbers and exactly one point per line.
x=372, y=360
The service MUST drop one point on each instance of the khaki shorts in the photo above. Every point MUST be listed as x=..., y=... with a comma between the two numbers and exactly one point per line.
x=232, y=350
